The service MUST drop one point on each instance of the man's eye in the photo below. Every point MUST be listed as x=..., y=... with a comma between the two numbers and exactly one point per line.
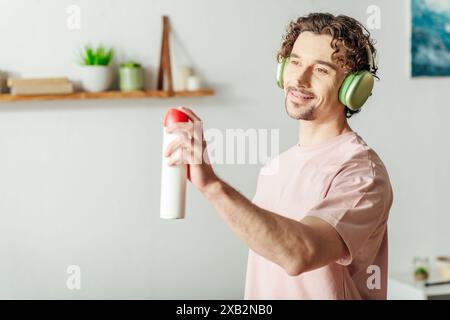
x=294, y=62
x=322, y=70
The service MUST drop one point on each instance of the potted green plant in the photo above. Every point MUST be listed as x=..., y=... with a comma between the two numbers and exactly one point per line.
x=96, y=74
x=131, y=76
x=421, y=274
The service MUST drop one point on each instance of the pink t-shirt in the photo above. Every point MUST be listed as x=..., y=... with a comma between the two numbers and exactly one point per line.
x=343, y=182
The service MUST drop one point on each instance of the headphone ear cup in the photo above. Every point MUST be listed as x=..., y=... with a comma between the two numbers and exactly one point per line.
x=344, y=88
x=280, y=72
x=356, y=89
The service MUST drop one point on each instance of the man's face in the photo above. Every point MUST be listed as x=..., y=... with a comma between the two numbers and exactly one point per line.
x=312, y=79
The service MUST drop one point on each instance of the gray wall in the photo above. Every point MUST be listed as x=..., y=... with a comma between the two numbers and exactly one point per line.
x=79, y=180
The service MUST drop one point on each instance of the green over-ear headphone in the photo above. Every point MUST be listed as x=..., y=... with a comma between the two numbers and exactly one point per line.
x=355, y=89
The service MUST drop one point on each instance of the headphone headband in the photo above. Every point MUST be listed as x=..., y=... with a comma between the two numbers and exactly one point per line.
x=370, y=58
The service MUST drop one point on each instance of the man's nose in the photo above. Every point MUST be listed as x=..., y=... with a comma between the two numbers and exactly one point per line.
x=303, y=77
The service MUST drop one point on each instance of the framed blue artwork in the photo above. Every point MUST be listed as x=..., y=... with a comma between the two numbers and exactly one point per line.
x=430, y=38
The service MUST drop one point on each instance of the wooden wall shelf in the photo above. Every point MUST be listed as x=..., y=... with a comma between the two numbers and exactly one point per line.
x=107, y=95
x=165, y=71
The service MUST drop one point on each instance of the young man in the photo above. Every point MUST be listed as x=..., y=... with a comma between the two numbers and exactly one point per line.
x=317, y=228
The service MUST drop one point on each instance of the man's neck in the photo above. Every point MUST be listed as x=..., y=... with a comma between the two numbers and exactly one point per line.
x=312, y=132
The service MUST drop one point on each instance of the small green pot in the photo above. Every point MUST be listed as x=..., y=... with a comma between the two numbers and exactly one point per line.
x=131, y=78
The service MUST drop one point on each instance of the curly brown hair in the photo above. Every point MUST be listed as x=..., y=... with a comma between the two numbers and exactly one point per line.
x=350, y=40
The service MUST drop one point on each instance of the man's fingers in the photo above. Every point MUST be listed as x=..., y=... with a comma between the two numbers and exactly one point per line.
x=180, y=127
x=175, y=159
x=181, y=141
x=184, y=151
x=182, y=156
x=193, y=130
x=190, y=149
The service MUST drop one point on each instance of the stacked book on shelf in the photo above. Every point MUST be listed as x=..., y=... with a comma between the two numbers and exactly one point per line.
x=36, y=86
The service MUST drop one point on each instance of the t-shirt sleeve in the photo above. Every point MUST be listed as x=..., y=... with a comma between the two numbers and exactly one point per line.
x=356, y=204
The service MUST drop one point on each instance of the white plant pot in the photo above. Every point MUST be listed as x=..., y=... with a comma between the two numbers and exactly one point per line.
x=96, y=78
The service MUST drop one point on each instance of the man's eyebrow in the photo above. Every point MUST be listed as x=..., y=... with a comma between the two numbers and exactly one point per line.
x=326, y=63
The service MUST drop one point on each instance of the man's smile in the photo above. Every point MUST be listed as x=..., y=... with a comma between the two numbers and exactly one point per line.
x=300, y=96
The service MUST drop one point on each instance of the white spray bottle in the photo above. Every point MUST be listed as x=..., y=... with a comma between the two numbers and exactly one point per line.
x=173, y=178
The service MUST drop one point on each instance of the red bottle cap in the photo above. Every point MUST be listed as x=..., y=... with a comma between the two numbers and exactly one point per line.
x=173, y=116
